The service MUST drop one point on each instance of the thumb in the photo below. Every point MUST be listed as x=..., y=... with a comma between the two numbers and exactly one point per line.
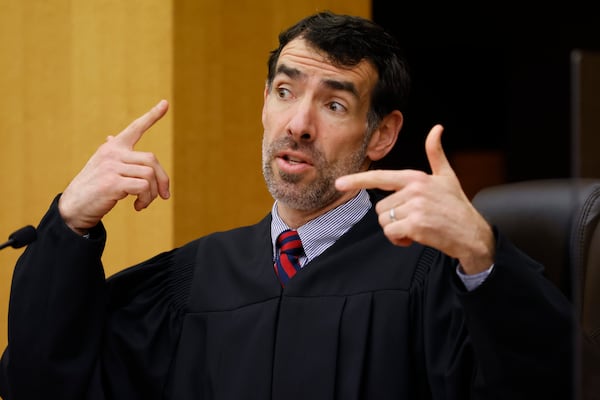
x=435, y=153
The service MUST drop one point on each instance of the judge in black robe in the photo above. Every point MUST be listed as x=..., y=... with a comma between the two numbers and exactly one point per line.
x=365, y=320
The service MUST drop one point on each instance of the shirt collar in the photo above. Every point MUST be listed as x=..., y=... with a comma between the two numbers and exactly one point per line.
x=320, y=233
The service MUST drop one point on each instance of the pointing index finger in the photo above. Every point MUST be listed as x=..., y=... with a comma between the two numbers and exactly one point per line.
x=380, y=179
x=132, y=134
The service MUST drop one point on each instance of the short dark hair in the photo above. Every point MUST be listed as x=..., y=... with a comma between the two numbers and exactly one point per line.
x=347, y=40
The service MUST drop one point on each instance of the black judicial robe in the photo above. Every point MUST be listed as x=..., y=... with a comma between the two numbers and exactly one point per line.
x=209, y=320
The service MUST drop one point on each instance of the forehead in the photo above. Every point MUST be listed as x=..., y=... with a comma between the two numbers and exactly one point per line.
x=311, y=62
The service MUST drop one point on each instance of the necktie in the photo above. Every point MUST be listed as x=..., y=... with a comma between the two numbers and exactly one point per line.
x=290, y=250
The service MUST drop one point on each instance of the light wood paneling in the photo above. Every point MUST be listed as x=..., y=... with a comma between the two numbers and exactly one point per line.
x=73, y=72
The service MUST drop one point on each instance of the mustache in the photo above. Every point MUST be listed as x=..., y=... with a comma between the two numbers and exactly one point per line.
x=288, y=143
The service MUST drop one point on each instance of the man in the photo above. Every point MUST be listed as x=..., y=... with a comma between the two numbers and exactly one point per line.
x=413, y=296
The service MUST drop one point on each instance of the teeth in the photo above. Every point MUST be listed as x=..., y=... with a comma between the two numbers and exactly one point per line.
x=293, y=160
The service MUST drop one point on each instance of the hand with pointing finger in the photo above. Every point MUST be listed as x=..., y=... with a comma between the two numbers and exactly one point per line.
x=113, y=172
x=431, y=209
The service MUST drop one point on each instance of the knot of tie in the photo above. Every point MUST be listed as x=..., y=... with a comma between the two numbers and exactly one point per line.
x=290, y=250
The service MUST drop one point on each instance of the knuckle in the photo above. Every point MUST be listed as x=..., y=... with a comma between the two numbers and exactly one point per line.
x=149, y=158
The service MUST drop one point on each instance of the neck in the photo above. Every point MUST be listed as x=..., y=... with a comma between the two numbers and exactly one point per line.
x=295, y=218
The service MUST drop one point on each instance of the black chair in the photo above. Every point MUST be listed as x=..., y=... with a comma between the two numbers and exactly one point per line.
x=556, y=222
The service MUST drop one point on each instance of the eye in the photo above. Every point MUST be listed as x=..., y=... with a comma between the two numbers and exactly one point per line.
x=336, y=107
x=283, y=93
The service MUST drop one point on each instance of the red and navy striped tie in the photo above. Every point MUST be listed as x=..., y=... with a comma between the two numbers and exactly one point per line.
x=290, y=250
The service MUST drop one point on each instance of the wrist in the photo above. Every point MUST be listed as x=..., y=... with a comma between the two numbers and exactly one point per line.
x=481, y=254
x=70, y=221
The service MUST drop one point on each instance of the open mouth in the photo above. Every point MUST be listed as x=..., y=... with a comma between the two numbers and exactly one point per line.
x=293, y=160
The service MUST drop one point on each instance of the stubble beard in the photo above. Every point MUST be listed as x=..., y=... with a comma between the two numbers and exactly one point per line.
x=316, y=194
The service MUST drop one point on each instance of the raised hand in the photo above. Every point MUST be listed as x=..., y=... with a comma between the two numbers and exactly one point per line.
x=431, y=209
x=113, y=172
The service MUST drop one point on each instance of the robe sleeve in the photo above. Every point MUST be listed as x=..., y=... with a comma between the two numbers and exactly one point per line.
x=67, y=340
x=523, y=329
x=510, y=338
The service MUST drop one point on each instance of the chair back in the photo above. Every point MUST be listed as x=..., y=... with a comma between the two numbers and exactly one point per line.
x=554, y=221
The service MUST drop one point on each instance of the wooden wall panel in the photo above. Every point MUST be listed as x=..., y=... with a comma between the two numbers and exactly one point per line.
x=585, y=113
x=73, y=72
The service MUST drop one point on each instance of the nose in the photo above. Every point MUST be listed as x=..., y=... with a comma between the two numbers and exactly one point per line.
x=302, y=123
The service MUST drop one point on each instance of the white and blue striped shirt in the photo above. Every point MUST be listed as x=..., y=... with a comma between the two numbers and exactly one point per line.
x=320, y=233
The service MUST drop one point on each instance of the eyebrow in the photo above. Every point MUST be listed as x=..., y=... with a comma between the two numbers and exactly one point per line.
x=294, y=73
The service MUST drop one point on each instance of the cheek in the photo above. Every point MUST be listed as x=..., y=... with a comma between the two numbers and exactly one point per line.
x=264, y=114
x=336, y=151
x=271, y=116
x=342, y=142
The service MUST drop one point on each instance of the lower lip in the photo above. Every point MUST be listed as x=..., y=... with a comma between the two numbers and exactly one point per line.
x=291, y=168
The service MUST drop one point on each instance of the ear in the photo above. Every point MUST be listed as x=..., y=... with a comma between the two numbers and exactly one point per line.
x=385, y=136
x=265, y=95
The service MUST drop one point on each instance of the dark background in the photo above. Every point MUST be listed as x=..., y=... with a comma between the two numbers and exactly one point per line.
x=497, y=79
